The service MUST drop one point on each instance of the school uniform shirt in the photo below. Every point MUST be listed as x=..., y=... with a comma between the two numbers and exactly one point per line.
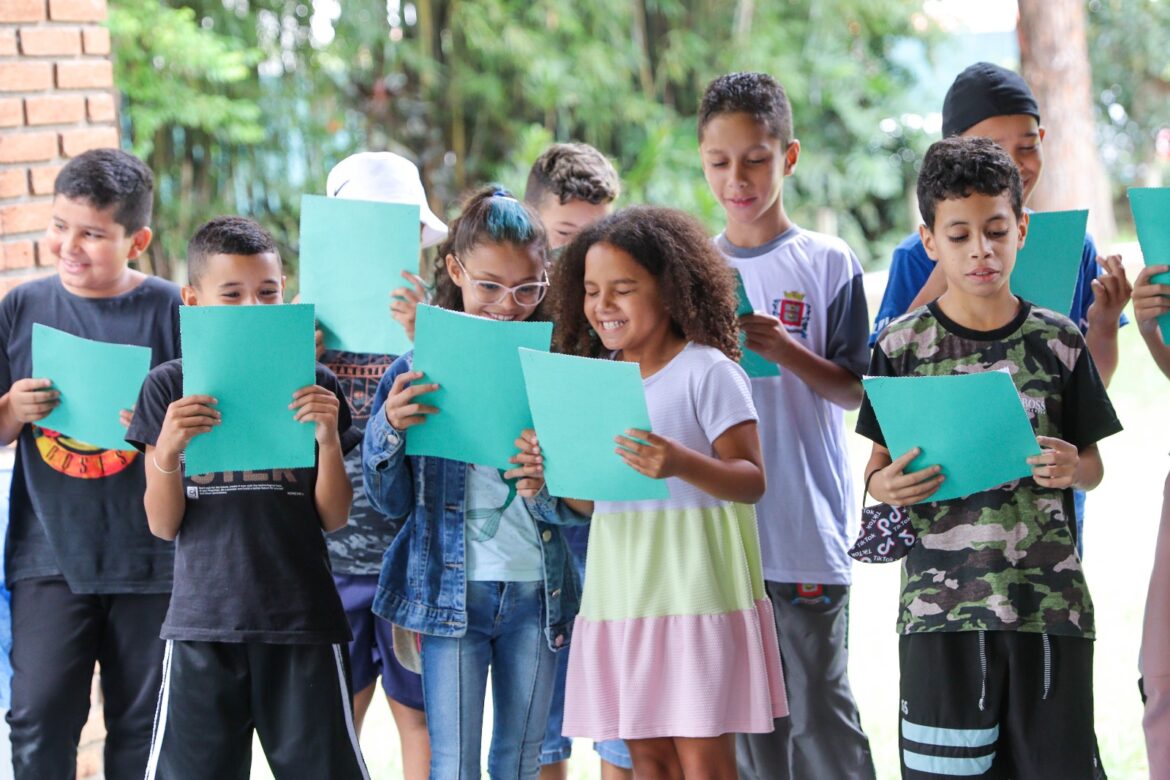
x=1003, y=559
x=813, y=284
x=358, y=547
x=250, y=558
x=911, y=267
x=76, y=510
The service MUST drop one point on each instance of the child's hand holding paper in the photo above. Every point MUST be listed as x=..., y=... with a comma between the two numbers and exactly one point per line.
x=186, y=418
x=401, y=409
x=891, y=485
x=649, y=454
x=1150, y=299
x=31, y=400
x=317, y=405
x=529, y=462
x=1056, y=466
x=405, y=301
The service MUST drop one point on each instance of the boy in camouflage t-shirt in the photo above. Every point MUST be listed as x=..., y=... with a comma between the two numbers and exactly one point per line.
x=996, y=619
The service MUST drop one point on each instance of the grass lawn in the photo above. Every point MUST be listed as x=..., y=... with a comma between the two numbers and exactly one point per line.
x=1120, y=528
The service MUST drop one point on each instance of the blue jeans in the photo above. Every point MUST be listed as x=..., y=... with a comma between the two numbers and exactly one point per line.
x=505, y=631
x=557, y=747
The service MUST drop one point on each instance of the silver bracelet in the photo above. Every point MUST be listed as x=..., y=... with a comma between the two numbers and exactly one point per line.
x=175, y=470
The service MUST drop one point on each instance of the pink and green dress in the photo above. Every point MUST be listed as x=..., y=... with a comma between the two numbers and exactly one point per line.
x=675, y=637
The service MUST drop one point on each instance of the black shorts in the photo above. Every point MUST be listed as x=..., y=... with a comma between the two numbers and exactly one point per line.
x=215, y=694
x=997, y=704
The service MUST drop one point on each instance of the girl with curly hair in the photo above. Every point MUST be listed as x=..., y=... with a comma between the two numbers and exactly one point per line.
x=674, y=648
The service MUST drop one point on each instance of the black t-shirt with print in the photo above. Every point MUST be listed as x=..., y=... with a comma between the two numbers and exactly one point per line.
x=358, y=547
x=250, y=559
x=76, y=510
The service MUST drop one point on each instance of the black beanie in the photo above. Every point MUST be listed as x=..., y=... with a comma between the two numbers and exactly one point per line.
x=982, y=91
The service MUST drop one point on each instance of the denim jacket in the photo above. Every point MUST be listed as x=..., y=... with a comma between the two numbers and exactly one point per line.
x=423, y=584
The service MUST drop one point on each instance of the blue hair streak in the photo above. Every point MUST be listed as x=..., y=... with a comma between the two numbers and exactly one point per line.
x=507, y=219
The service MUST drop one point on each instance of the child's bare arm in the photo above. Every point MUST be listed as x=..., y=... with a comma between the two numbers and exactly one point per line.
x=333, y=492
x=735, y=474
x=768, y=337
x=1149, y=302
x=164, y=499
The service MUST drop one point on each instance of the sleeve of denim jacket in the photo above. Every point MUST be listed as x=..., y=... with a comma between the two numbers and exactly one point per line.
x=553, y=511
x=385, y=468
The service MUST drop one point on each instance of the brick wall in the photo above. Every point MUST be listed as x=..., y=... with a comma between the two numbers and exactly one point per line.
x=56, y=101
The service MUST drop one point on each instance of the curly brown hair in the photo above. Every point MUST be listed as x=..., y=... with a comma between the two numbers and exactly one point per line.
x=695, y=281
x=491, y=214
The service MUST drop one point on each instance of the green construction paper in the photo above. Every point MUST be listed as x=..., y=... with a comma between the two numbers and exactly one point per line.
x=96, y=380
x=1151, y=215
x=251, y=359
x=579, y=406
x=353, y=253
x=754, y=364
x=1048, y=266
x=482, y=404
x=973, y=425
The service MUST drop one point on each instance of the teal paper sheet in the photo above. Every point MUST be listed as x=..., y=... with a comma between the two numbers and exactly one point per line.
x=579, y=406
x=752, y=362
x=973, y=425
x=252, y=359
x=353, y=253
x=1151, y=215
x=96, y=381
x=1048, y=266
x=482, y=404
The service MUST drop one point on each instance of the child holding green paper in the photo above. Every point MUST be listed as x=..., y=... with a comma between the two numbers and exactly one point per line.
x=994, y=600
x=480, y=568
x=675, y=648
x=255, y=630
x=82, y=565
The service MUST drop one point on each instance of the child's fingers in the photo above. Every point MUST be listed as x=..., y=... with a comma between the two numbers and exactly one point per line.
x=900, y=463
x=404, y=379
x=417, y=282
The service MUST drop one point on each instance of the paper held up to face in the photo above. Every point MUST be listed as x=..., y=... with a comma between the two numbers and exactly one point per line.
x=252, y=359
x=482, y=403
x=972, y=425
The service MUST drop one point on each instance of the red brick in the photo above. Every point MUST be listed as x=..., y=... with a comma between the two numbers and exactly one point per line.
x=7, y=42
x=101, y=108
x=91, y=74
x=27, y=147
x=77, y=10
x=18, y=254
x=44, y=256
x=49, y=41
x=54, y=109
x=74, y=142
x=22, y=10
x=43, y=179
x=25, y=217
x=95, y=40
x=11, y=112
x=13, y=182
x=25, y=76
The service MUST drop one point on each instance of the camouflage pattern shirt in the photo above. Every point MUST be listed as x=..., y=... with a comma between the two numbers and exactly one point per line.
x=358, y=548
x=1004, y=559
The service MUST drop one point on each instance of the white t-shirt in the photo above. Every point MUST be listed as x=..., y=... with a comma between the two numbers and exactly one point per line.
x=512, y=554
x=694, y=399
x=807, y=518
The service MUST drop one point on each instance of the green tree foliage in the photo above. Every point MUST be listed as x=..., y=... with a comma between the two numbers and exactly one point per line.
x=473, y=89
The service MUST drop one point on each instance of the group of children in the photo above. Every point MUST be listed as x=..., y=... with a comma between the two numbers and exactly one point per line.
x=702, y=635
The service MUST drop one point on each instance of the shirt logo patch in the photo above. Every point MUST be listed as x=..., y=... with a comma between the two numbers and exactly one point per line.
x=794, y=313
x=77, y=459
x=192, y=492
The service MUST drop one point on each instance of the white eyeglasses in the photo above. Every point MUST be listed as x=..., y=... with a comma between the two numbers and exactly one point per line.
x=528, y=294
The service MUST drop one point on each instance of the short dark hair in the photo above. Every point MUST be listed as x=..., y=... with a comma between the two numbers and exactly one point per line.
x=572, y=172
x=696, y=283
x=757, y=94
x=956, y=167
x=226, y=236
x=110, y=177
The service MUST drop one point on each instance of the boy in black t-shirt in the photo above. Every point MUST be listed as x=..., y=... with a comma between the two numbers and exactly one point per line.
x=255, y=631
x=89, y=583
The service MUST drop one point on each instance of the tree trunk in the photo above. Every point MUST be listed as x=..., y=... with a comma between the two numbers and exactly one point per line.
x=1054, y=60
